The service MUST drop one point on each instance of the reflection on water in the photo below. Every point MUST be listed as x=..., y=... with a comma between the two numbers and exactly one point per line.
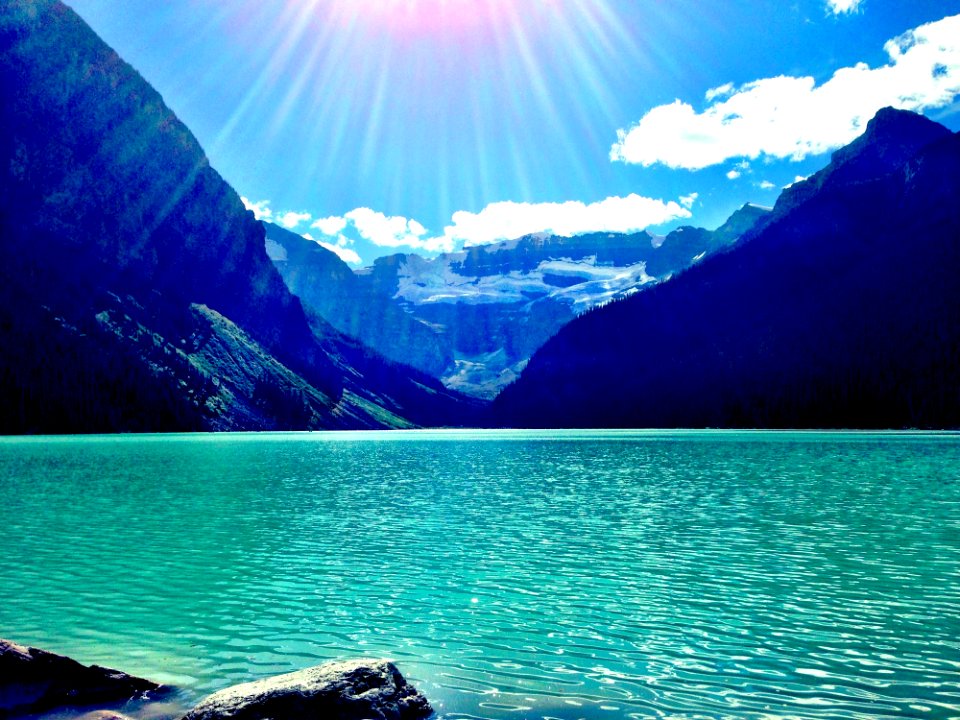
x=510, y=575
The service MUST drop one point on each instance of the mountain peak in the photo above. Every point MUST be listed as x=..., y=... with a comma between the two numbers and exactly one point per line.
x=838, y=311
x=891, y=138
x=894, y=120
x=742, y=220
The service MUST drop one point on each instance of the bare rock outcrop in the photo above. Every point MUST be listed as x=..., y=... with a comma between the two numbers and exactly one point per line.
x=33, y=681
x=351, y=690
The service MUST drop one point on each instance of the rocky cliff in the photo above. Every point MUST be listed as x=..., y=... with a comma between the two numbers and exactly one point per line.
x=132, y=273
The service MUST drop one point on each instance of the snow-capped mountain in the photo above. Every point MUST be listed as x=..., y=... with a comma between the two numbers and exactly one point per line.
x=488, y=308
x=581, y=282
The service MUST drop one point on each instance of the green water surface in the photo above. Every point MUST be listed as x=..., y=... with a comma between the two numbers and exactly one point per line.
x=509, y=574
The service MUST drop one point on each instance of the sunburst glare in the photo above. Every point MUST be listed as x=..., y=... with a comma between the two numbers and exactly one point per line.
x=403, y=85
x=422, y=109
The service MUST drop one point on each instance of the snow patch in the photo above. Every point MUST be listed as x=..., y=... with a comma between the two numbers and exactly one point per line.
x=422, y=281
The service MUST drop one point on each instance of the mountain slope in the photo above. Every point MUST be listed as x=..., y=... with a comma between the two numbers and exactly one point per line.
x=839, y=310
x=327, y=285
x=123, y=251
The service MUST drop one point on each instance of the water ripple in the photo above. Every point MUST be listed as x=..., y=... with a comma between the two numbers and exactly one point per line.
x=511, y=575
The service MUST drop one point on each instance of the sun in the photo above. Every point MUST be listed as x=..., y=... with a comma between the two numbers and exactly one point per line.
x=428, y=17
x=430, y=99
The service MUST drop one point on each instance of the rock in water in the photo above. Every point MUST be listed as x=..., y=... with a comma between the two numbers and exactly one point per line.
x=351, y=690
x=104, y=715
x=33, y=680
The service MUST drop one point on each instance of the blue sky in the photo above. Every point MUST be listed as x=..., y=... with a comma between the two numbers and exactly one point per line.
x=382, y=126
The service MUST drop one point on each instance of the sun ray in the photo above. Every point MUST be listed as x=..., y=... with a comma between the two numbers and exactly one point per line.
x=434, y=103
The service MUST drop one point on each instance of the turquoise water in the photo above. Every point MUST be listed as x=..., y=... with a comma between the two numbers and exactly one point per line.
x=509, y=575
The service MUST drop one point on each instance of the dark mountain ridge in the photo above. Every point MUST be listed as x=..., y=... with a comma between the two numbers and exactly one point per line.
x=133, y=277
x=837, y=310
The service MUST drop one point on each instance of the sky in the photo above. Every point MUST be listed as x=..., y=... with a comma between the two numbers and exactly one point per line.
x=382, y=126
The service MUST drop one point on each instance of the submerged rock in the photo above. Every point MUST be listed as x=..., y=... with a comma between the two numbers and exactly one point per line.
x=351, y=690
x=104, y=715
x=33, y=680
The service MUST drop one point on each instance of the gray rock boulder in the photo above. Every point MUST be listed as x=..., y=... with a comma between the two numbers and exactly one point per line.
x=104, y=715
x=33, y=681
x=351, y=690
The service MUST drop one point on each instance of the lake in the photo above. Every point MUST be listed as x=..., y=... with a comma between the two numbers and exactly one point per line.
x=508, y=574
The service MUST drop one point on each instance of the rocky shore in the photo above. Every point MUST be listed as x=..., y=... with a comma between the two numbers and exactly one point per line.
x=34, y=681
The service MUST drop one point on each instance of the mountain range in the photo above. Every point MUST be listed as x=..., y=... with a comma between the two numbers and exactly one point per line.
x=135, y=292
x=473, y=318
x=838, y=310
x=138, y=294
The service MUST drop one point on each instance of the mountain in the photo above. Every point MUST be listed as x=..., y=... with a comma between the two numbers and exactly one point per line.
x=839, y=309
x=327, y=285
x=473, y=318
x=135, y=292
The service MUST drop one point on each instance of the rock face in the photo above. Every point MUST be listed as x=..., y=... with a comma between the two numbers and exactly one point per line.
x=33, y=681
x=132, y=277
x=352, y=690
x=327, y=285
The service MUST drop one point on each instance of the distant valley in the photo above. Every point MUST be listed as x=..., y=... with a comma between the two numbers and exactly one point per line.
x=473, y=318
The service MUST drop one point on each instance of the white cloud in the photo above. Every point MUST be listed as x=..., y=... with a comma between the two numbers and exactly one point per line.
x=508, y=220
x=738, y=169
x=341, y=246
x=389, y=230
x=290, y=220
x=766, y=185
x=330, y=225
x=839, y=7
x=497, y=221
x=722, y=91
x=261, y=210
x=798, y=178
x=346, y=254
x=793, y=117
